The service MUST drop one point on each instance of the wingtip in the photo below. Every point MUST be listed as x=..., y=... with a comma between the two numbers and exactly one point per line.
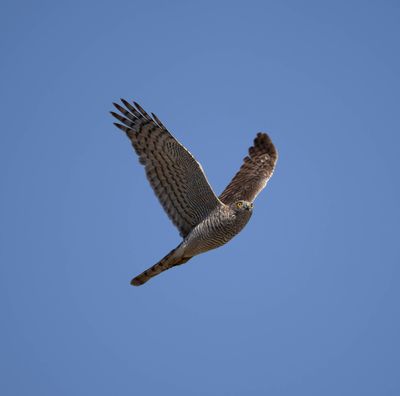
x=262, y=137
x=116, y=105
x=140, y=108
x=125, y=102
x=121, y=127
x=263, y=143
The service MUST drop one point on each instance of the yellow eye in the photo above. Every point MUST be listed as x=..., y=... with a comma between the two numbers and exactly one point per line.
x=239, y=204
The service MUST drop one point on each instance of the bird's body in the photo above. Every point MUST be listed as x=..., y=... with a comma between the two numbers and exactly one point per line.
x=217, y=229
x=214, y=231
x=204, y=220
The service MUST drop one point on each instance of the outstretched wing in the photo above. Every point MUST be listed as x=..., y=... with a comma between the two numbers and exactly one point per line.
x=255, y=172
x=175, y=176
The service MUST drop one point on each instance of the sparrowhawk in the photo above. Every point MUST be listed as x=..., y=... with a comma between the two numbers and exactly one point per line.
x=204, y=220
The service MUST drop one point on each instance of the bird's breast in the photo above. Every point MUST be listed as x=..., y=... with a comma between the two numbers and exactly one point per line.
x=214, y=231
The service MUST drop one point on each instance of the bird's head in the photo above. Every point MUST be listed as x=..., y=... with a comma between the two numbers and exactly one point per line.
x=241, y=206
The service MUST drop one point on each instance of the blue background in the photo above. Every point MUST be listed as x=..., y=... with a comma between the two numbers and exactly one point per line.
x=305, y=301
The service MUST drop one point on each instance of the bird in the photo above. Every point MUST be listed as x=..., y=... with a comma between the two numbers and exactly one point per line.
x=205, y=221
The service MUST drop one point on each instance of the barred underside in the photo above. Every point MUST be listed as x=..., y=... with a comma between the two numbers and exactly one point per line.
x=216, y=230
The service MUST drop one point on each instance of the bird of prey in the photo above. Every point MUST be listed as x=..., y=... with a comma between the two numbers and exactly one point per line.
x=204, y=220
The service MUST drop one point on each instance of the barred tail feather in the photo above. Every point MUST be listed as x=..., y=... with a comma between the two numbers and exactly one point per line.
x=169, y=261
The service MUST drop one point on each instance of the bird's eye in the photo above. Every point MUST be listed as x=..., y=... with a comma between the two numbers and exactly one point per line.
x=239, y=204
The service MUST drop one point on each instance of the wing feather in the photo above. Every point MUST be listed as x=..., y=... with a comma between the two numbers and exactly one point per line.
x=175, y=176
x=255, y=172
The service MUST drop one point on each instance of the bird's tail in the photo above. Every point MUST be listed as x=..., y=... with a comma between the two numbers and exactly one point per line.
x=172, y=259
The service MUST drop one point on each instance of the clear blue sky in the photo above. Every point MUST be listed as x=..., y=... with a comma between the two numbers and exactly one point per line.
x=305, y=301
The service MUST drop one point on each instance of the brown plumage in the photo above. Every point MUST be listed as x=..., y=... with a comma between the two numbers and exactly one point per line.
x=203, y=220
x=255, y=172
